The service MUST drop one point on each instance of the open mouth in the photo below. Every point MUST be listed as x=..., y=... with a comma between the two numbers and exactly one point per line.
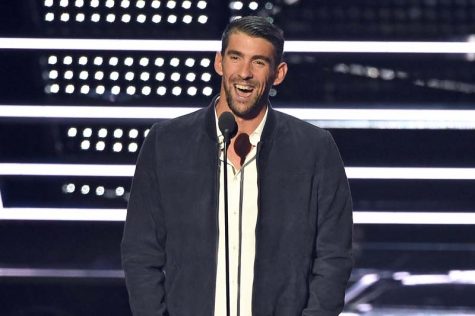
x=243, y=90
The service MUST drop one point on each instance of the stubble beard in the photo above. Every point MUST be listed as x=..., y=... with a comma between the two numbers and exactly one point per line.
x=248, y=112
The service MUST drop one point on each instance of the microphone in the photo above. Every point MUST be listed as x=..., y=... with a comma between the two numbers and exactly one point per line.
x=227, y=126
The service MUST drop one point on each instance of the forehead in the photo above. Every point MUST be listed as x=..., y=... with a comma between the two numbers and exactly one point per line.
x=249, y=45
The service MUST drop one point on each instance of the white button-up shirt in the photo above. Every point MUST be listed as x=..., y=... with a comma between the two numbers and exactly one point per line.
x=242, y=217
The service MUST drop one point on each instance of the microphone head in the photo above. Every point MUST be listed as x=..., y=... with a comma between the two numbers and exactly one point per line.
x=227, y=125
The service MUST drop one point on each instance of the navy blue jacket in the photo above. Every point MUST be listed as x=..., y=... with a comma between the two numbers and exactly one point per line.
x=303, y=231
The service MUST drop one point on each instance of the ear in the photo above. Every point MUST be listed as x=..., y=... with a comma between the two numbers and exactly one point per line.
x=280, y=74
x=218, y=63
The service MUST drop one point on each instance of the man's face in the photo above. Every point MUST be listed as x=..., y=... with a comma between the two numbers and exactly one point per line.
x=248, y=69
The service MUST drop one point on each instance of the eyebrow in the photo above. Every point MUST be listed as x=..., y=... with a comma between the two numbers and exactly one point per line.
x=238, y=53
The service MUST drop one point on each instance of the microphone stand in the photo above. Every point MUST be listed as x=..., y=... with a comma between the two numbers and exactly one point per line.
x=226, y=230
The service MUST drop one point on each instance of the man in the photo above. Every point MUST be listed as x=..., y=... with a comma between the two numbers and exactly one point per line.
x=290, y=212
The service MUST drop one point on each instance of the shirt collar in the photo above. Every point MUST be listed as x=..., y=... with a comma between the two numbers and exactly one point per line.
x=255, y=136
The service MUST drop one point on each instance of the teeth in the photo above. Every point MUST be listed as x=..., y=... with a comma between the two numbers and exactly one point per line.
x=245, y=88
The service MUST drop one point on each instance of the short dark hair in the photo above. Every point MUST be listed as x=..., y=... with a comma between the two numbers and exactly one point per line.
x=256, y=26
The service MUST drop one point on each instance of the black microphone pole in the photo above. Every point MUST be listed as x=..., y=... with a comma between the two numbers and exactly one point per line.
x=228, y=127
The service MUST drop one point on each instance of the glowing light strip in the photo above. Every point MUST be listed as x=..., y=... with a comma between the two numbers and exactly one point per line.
x=62, y=214
x=327, y=117
x=117, y=215
x=96, y=170
x=416, y=218
x=213, y=45
x=60, y=273
x=453, y=277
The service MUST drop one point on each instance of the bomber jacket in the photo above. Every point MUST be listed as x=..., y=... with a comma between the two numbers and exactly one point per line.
x=303, y=231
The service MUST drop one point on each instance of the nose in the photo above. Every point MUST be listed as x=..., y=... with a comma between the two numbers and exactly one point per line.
x=245, y=71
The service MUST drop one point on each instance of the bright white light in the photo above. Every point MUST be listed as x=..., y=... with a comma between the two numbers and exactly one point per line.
x=83, y=75
x=53, y=74
x=69, y=89
x=98, y=60
x=115, y=90
x=253, y=5
x=192, y=91
x=109, y=3
x=100, y=190
x=125, y=4
x=133, y=133
x=190, y=76
x=52, y=60
x=187, y=19
x=172, y=18
x=63, y=3
x=126, y=18
x=85, y=89
x=72, y=132
x=100, y=89
x=159, y=62
x=79, y=3
x=96, y=17
x=186, y=4
x=64, y=17
x=119, y=191
x=190, y=62
x=87, y=132
x=83, y=60
x=205, y=62
x=69, y=188
x=144, y=61
x=58, y=214
x=207, y=91
x=236, y=5
x=157, y=18
x=175, y=62
x=94, y=3
x=175, y=76
x=113, y=61
x=144, y=76
x=129, y=76
x=88, y=170
x=80, y=17
x=85, y=189
x=141, y=18
x=54, y=88
x=117, y=147
x=49, y=17
x=100, y=145
x=131, y=90
x=201, y=4
x=99, y=75
x=114, y=75
x=102, y=133
x=161, y=91
x=129, y=61
x=110, y=18
x=48, y=3
x=68, y=75
x=118, y=133
x=85, y=144
x=160, y=76
x=67, y=60
x=155, y=4
x=416, y=218
x=145, y=133
x=176, y=91
x=140, y=4
x=202, y=19
x=206, y=77
x=133, y=147
x=171, y=4
x=146, y=90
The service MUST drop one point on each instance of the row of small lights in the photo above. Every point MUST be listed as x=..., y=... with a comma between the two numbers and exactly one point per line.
x=140, y=4
x=85, y=189
x=129, y=61
x=102, y=133
x=125, y=18
x=130, y=90
x=129, y=76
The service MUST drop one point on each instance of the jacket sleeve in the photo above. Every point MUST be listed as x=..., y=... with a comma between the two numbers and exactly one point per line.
x=333, y=261
x=142, y=248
